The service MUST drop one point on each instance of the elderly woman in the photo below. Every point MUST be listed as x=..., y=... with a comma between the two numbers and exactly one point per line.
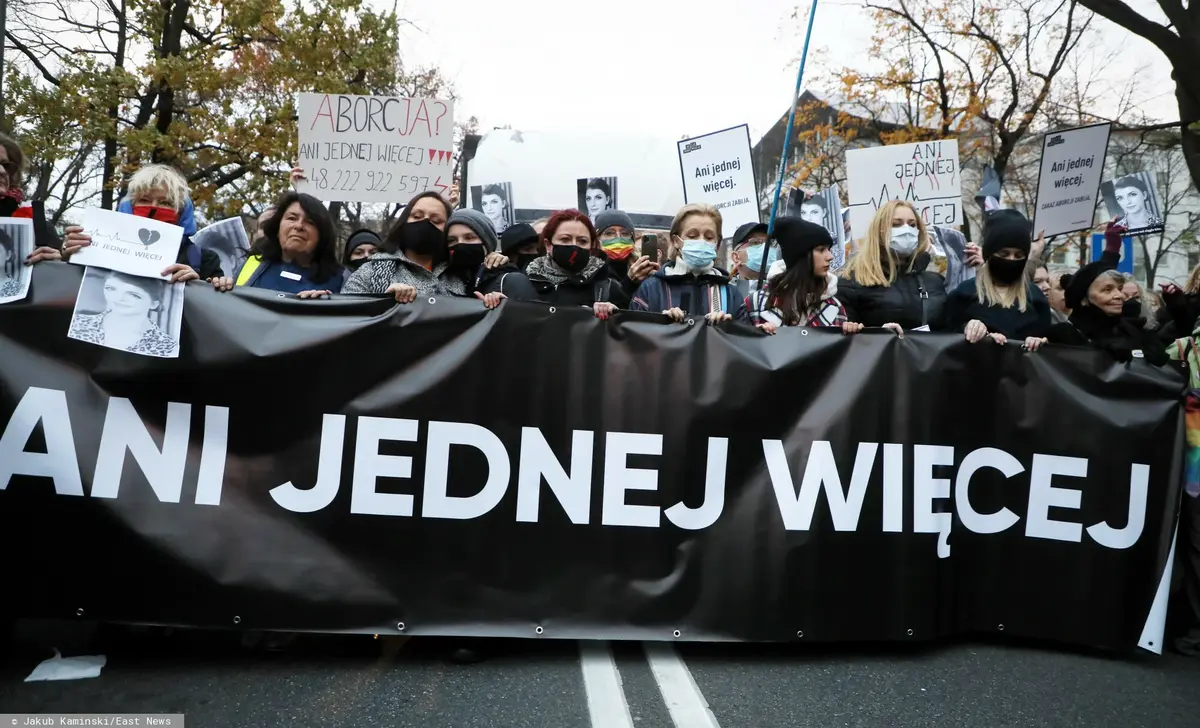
x=12, y=199
x=125, y=323
x=889, y=281
x=298, y=251
x=1097, y=304
x=691, y=283
x=159, y=192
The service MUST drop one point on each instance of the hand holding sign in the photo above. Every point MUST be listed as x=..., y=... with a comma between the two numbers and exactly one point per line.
x=139, y=246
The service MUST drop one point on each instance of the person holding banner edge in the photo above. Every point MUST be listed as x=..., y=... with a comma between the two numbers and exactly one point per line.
x=470, y=237
x=802, y=290
x=572, y=273
x=691, y=283
x=888, y=283
x=999, y=302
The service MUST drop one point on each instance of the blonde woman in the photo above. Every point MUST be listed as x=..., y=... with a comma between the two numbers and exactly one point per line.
x=889, y=283
x=1000, y=302
x=691, y=283
x=161, y=193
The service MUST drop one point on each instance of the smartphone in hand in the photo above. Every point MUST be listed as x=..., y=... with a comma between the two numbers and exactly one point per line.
x=649, y=247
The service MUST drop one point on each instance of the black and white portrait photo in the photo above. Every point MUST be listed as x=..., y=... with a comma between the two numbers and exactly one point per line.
x=1134, y=200
x=128, y=313
x=228, y=239
x=825, y=209
x=597, y=194
x=16, y=243
x=495, y=201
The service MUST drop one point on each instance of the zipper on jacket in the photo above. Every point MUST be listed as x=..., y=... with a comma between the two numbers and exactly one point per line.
x=924, y=296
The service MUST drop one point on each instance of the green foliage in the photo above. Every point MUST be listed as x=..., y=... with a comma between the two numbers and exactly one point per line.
x=208, y=86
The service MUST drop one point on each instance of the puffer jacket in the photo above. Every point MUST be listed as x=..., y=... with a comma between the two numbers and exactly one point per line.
x=917, y=298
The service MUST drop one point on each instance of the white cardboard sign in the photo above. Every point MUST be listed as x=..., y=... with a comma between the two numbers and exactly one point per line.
x=717, y=169
x=1069, y=180
x=139, y=246
x=375, y=148
x=925, y=174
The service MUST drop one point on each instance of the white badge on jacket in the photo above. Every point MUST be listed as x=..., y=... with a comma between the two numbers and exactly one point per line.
x=290, y=275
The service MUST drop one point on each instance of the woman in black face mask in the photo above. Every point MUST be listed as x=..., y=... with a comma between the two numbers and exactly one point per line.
x=1000, y=303
x=412, y=261
x=470, y=237
x=572, y=273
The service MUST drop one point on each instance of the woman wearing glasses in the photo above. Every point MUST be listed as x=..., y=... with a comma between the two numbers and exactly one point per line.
x=12, y=200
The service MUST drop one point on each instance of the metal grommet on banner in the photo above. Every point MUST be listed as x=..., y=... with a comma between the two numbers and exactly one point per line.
x=676, y=633
x=79, y=612
x=1001, y=628
x=804, y=332
x=281, y=295
x=800, y=634
x=400, y=626
x=237, y=619
x=910, y=633
x=552, y=309
x=538, y=629
x=690, y=322
x=432, y=299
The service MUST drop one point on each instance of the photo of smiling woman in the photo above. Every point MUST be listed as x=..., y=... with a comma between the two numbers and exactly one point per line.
x=16, y=243
x=128, y=313
x=494, y=200
x=1133, y=200
x=596, y=194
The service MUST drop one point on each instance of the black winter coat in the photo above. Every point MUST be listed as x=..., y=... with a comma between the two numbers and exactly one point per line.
x=916, y=298
x=1118, y=336
x=963, y=305
x=210, y=262
x=581, y=291
x=507, y=279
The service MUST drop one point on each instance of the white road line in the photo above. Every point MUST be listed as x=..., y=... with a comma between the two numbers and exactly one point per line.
x=605, y=696
x=688, y=707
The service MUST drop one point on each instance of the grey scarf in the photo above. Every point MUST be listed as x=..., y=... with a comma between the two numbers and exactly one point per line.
x=545, y=268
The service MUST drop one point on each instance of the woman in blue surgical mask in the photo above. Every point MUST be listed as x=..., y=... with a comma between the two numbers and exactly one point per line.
x=889, y=282
x=692, y=284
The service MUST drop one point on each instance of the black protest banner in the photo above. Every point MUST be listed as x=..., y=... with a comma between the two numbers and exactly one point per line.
x=352, y=465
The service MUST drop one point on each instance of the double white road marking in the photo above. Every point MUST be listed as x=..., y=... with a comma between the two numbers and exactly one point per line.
x=606, y=696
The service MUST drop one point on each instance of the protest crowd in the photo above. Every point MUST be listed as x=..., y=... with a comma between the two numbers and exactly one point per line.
x=904, y=277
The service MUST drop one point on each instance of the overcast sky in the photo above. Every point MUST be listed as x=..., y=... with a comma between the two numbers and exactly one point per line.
x=664, y=67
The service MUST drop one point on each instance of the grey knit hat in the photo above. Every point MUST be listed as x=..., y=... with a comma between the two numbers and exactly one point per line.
x=479, y=223
x=613, y=218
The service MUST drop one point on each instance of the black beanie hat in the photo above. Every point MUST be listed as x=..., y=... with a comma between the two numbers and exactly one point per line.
x=1075, y=287
x=515, y=236
x=746, y=230
x=1006, y=229
x=798, y=237
x=362, y=237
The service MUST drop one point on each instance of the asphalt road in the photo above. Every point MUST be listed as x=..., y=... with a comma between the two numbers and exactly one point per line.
x=359, y=682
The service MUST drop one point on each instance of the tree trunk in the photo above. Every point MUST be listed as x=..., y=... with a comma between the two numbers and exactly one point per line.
x=110, y=135
x=1189, y=114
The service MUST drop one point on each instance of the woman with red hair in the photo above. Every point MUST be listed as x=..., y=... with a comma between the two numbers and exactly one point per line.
x=572, y=272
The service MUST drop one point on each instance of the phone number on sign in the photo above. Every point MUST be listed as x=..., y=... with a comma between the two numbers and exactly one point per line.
x=353, y=180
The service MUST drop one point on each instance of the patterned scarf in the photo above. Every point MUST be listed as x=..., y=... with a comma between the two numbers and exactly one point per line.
x=545, y=268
